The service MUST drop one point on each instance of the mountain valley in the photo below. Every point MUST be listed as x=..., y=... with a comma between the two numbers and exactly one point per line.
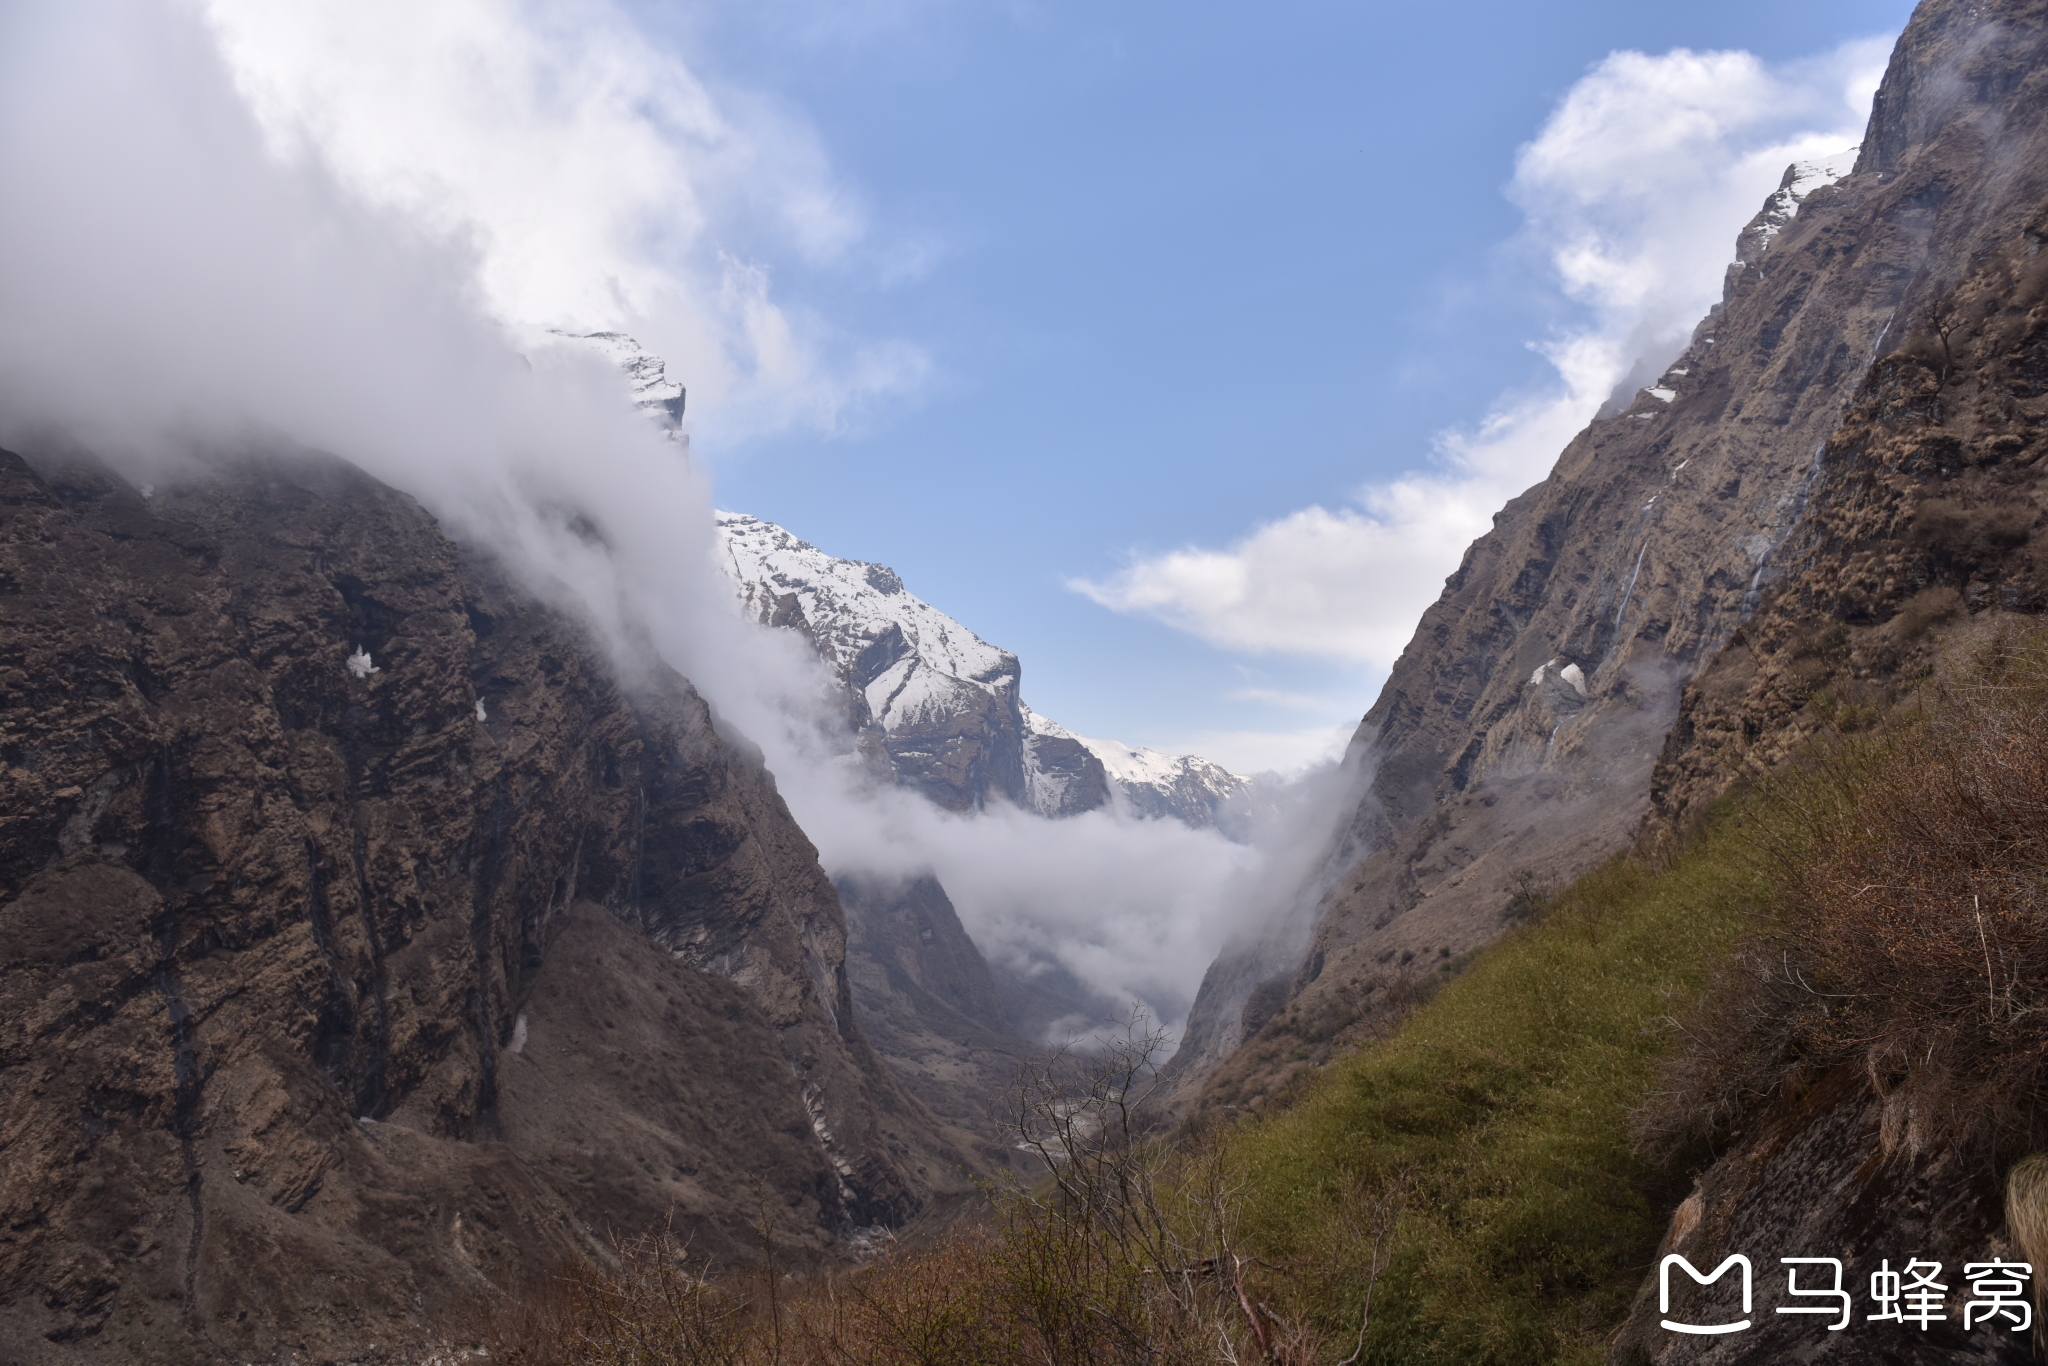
x=390, y=946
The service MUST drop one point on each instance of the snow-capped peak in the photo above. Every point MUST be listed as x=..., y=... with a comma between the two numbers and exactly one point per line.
x=928, y=683
x=852, y=608
x=1135, y=764
x=1802, y=178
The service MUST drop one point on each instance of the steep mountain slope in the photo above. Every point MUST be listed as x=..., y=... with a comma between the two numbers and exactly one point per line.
x=1515, y=741
x=927, y=999
x=364, y=944
x=1922, y=529
x=941, y=703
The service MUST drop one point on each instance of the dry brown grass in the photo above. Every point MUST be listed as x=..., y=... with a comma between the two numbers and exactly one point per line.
x=1126, y=1253
x=654, y=1305
x=995, y=1295
x=1910, y=938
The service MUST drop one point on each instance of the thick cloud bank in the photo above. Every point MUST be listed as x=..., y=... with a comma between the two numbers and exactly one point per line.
x=1633, y=193
x=349, y=227
x=597, y=181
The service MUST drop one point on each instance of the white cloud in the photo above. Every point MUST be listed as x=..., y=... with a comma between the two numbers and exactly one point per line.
x=1135, y=909
x=168, y=286
x=1634, y=190
x=592, y=175
x=1293, y=701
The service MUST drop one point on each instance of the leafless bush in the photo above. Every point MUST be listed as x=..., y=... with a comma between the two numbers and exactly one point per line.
x=1125, y=1252
x=655, y=1306
x=1128, y=1250
x=1911, y=936
x=1529, y=899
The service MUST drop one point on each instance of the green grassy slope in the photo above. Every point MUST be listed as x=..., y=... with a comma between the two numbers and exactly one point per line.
x=1497, y=1118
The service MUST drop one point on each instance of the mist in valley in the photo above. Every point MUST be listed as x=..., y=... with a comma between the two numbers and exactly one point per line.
x=235, y=232
x=185, y=282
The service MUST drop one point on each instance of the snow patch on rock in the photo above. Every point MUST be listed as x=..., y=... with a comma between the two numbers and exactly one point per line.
x=647, y=381
x=1802, y=178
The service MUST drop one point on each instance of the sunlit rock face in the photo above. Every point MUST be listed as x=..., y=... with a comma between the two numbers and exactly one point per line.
x=1606, y=640
x=942, y=704
x=363, y=940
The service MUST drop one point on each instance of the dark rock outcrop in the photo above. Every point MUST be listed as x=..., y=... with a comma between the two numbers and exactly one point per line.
x=927, y=999
x=364, y=944
x=1064, y=777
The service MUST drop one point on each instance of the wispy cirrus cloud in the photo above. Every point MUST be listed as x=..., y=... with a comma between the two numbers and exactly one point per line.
x=1632, y=192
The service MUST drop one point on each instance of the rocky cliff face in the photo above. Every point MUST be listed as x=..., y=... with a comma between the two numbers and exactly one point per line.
x=365, y=944
x=1517, y=738
x=1809, y=1182
x=648, y=386
x=940, y=704
x=1922, y=525
x=1926, y=500
x=926, y=997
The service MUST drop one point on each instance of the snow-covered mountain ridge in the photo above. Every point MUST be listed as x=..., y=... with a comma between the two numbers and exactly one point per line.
x=647, y=381
x=940, y=703
x=943, y=703
x=1801, y=179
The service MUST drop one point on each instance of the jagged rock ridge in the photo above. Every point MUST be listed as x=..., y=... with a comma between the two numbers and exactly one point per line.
x=647, y=381
x=943, y=704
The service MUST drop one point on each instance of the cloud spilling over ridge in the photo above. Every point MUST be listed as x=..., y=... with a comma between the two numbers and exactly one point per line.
x=165, y=285
x=593, y=176
x=171, y=286
x=1632, y=193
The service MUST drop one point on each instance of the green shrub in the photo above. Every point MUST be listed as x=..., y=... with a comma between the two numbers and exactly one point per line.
x=1498, y=1118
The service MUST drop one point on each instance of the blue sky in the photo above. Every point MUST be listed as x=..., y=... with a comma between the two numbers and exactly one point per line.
x=1174, y=270
x=1178, y=348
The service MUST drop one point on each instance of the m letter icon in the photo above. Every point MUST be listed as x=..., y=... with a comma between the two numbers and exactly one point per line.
x=1664, y=1292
